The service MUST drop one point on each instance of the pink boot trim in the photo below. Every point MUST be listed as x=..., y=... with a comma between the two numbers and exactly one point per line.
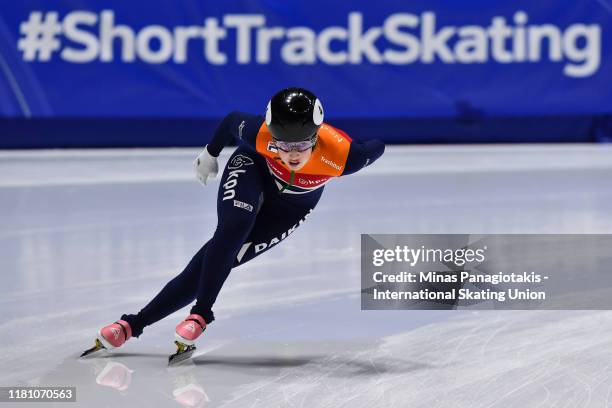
x=190, y=329
x=127, y=327
x=114, y=335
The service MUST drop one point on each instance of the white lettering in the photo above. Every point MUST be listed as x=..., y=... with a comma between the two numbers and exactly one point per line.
x=109, y=32
x=144, y=39
x=402, y=39
x=243, y=23
x=73, y=33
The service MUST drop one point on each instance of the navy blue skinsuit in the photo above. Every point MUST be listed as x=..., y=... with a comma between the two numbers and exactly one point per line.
x=254, y=213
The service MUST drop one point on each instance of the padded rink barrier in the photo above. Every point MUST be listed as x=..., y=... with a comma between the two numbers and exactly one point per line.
x=125, y=132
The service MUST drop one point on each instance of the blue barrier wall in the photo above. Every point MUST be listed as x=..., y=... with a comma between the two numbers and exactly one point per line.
x=160, y=73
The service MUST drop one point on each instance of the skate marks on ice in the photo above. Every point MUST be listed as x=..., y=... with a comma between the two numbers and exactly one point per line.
x=234, y=375
x=510, y=359
x=481, y=359
x=139, y=230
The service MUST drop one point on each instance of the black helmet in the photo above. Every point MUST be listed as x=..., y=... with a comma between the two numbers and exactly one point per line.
x=294, y=115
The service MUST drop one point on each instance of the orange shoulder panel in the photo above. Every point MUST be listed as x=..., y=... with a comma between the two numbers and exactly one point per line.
x=263, y=140
x=329, y=156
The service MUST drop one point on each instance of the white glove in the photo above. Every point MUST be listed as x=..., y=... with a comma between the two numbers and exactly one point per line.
x=206, y=166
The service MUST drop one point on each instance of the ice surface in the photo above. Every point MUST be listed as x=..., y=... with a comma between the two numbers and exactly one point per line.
x=88, y=235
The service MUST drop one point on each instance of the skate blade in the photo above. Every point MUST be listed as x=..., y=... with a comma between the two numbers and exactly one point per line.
x=183, y=353
x=98, y=346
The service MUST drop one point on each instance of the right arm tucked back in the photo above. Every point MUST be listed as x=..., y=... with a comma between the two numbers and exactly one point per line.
x=235, y=127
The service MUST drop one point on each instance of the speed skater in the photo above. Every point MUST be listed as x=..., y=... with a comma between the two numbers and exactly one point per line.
x=271, y=183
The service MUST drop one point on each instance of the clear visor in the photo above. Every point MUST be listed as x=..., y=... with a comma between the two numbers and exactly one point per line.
x=297, y=146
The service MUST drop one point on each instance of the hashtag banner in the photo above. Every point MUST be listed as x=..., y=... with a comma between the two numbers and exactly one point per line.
x=93, y=59
x=40, y=36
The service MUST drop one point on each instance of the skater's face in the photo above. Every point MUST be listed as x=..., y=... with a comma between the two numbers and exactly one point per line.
x=295, y=160
x=295, y=155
